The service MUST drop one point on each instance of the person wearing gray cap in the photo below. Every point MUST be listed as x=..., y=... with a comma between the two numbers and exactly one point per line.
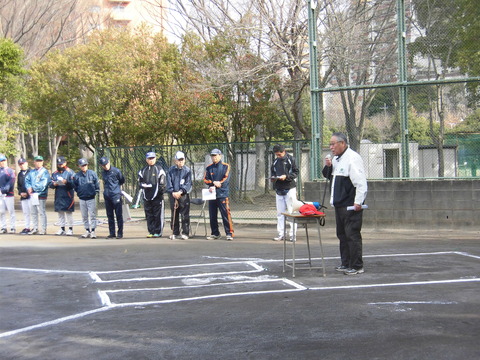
x=24, y=197
x=179, y=185
x=7, y=187
x=87, y=186
x=36, y=182
x=217, y=177
x=64, y=203
x=112, y=194
x=152, y=180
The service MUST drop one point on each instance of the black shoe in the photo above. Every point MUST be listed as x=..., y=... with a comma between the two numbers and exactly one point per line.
x=341, y=268
x=111, y=236
x=119, y=236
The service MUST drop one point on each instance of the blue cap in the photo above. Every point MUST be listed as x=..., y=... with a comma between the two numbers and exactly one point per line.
x=82, y=162
x=22, y=161
x=150, y=154
x=215, y=152
x=104, y=160
x=3, y=157
x=61, y=160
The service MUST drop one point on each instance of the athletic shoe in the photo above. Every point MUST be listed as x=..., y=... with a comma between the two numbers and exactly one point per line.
x=111, y=236
x=25, y=231
x=69, y=232
x=12, y=231
x=60, y=232
x=229, y=237
x=3, y=231
x=86, y=235
x=33, y=232
x=43, y=232
x=119, y=236
x=278, y=238
x=93, y=235
x=157, y=235
x=172, y=237
x=213, y=237
x=150, y=236
x=341, y=268
x=353, y=271
x=184, y=237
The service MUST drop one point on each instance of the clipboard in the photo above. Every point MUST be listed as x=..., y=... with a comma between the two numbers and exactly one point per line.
x=207, y=195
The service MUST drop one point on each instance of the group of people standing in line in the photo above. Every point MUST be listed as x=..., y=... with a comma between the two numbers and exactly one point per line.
x=345, y=172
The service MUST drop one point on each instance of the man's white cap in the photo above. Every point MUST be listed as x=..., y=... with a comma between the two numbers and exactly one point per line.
x=179, y=155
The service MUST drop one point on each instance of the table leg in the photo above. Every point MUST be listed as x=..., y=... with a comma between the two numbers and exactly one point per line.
x=308, y=247
x=321, y=247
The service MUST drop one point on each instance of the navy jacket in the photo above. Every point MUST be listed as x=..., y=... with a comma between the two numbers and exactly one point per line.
x=218, y=172
x=112, y=181
x=21, y=183
x=86, y=184
x=285, y=166
x=64, y=194
x=179, y=180
x=7, y=181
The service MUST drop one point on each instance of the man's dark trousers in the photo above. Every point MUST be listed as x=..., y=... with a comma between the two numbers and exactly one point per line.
x=154, y=213
x=181, y=212
x=223, y=205
x=113, y=206
x=349, y=226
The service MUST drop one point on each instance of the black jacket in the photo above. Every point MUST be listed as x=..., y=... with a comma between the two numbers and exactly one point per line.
x=285, y=166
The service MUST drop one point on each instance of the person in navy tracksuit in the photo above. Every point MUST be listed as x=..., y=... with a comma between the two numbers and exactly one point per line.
x=217, y=177
x=112, y=193
x=64, y=204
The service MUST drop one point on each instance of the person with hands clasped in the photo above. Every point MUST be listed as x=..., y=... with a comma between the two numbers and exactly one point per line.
x=36, y=182
x=24, y=197
x=349, y=188
x=284, y=172
x=217, y=177
x=179, y=185
x=7, y=200
x=112, y=194
x=64, y=204
x=152, y=181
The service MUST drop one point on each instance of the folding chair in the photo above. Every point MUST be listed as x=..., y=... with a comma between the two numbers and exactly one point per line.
x=200, y=202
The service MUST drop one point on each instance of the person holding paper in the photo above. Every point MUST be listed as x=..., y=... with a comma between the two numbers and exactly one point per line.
x=112, y=194
x=152, y=180
x=64, y=204
x=7, y=201
x=24, y=197
x=284, y=172
x=87, y=186
x=36, y=182
x=179, y=185
x=217, y=177
x=349, y=188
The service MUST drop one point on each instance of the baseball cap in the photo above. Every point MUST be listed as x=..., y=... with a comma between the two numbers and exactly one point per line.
x=104, y=160
x=82, y=161
x=150, y=155
x=21, y=161
x=61, y=160
x=38, y=158
x=179, y=155
x=3, y=157
x=309, y=209
x=215, y=152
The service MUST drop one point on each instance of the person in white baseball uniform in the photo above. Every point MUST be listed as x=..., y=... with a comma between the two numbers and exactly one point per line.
x=7, y=186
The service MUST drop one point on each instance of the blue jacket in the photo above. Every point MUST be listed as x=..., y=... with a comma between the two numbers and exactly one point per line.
x=38, y=180
x=218, y=172
x=112, y=181
x=64, y=194
x=7, y=181
x=86, y=184
x=179, y=180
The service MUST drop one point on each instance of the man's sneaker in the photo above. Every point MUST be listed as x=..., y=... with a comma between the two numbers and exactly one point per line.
x=229, y=238
x=184, y=237
x=341, y=268
x=25, y=231
x=60, y=232
x=86, y=235
x=69, y=232
x=93, y=235
x=12, y=231
x=111, y=236
x=353, y=271
x=43, y=232
x=150, y=236
x=3, y=231
x=278, y=238
x=119, y=236
x=157, y=235
x=33, y=232
x=172, y=237
x=213, y=237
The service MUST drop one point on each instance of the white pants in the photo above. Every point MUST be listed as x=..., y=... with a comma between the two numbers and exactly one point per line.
x=88, y=208
x=39, y=210
x=7, y=204
x=65, y=218
x=26, y=209
x=285, y=204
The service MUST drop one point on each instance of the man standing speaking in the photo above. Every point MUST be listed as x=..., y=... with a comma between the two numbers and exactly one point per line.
x=349, y=189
